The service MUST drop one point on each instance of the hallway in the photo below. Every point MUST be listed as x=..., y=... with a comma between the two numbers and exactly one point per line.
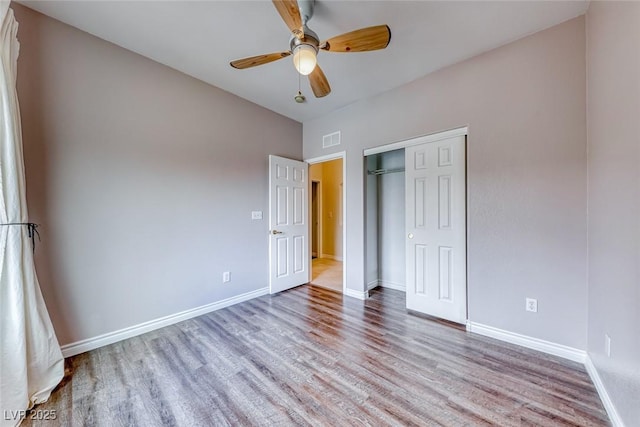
x=327, y=273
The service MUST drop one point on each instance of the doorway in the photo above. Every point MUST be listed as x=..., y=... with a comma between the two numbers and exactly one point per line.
x=326, y=195
x=423, y=213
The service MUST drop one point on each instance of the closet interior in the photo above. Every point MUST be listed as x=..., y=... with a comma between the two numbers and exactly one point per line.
x=385, y=220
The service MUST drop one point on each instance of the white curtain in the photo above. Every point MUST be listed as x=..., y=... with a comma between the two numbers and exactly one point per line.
x=31, y=364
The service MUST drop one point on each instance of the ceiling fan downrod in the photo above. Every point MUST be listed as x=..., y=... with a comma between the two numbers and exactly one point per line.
x=306, y=11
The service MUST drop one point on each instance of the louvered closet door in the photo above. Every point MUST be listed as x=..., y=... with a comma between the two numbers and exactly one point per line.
x=288, y=224
x=436, y=229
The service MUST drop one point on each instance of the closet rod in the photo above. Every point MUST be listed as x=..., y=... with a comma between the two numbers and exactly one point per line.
x=384, y=171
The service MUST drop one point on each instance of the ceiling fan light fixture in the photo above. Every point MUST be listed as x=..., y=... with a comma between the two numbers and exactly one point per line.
x=304, y=45
x=304, y=58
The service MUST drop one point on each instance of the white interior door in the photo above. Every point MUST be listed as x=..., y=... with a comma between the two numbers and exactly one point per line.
x=436, y=228
x=288, y=228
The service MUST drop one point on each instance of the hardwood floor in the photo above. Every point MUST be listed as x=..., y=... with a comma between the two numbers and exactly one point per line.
x=327, y=273
x=309, y=357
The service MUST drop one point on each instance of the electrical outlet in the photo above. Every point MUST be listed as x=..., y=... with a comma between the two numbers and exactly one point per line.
x=226, y=277
x=532, y=305
x=607, y=345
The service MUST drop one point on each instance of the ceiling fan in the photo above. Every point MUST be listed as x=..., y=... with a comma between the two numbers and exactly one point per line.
x=305, y=44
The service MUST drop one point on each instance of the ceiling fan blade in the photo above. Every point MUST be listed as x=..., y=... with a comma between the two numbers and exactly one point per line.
x=362, y=40
x=319, y=83
x=253, y=61
x=290, y=13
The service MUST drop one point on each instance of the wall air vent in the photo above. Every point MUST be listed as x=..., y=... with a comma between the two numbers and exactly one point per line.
x=331, y=140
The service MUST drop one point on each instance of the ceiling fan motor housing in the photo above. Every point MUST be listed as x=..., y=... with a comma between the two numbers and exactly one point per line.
x=310, y=39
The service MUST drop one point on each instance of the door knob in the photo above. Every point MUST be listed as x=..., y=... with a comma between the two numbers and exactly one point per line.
x=410, y=235
x=276, y=232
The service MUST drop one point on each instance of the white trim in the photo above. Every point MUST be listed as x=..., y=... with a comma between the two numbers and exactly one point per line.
x=356, y=294
x=81, y=346
x=333, y=156
x=525, y=341
x=418, y=140
x=392, y=285
x=614, y=417
x=373, y=284
x=327, y=157
x=333, y=257
x=386, y=284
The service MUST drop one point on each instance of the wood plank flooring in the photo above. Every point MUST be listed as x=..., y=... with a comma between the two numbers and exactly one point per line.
x=311, y=357
x=327, y=273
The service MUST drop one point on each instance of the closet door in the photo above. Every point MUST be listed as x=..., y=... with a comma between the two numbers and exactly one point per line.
x=436, y=229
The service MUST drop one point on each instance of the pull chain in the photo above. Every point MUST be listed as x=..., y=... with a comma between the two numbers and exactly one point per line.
x=299, y=92
x=299, y=98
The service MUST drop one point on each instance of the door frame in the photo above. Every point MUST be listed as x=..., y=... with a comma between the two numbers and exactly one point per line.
x=321, y=159
x=433, y=137
x=319, y=214
x=422, y=139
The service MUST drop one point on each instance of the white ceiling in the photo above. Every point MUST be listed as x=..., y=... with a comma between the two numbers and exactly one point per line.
x=200, y=38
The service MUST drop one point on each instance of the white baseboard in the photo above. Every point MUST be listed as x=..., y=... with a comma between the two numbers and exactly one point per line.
x=525, y=341
x=356, y=294
x=614, y=417
x=333, y=257
x=81, y=346
x=392, y=285
x=385, y=284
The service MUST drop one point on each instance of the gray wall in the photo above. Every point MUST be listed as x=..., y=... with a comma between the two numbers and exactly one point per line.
x=613, y=40
x=143, y=179
x=524, y=104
